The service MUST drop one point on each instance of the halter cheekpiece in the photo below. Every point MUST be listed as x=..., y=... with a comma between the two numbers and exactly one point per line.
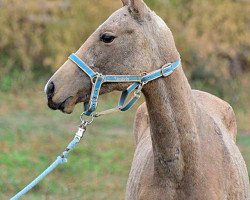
x=138, y=81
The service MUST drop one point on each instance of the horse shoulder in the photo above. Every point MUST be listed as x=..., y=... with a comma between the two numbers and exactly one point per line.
x=218, y=109
x=141, y=122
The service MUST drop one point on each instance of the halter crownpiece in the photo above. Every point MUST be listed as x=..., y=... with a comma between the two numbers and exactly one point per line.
x=98, y=79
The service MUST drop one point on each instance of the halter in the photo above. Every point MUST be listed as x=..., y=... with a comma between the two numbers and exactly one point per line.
x=98, y=79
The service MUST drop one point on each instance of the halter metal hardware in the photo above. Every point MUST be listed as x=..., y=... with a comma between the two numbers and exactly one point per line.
x=80, y=132
x=138, y=92
x=86, y=122
x=93, y=79
x=166, y=67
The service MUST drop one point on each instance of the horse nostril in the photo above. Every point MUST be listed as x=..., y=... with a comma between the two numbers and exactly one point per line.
x=50, y=89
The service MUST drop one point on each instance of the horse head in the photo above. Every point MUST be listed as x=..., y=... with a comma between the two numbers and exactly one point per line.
x=132, y=41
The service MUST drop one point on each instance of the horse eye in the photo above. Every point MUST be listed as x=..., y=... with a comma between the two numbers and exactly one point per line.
x=107, y=38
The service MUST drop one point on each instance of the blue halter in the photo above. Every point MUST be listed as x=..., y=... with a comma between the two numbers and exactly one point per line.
x=98, y=79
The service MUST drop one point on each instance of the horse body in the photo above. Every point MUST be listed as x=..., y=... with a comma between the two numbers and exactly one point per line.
x=185, y=139
x=223, y=171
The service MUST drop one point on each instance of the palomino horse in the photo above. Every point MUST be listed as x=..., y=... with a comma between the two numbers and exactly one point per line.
x=185, y=138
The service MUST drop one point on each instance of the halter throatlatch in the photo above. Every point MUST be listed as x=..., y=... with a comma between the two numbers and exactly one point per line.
x=98, y=79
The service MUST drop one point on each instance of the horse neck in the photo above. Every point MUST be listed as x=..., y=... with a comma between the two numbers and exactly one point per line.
x=171, y=113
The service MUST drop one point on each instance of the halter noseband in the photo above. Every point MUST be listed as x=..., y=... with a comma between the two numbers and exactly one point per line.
x=98, y=79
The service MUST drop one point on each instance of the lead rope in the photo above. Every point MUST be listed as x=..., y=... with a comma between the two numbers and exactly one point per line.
x=60, y=159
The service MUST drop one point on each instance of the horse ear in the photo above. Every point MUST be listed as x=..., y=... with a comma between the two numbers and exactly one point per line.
x=138, y=8
x=125, y=2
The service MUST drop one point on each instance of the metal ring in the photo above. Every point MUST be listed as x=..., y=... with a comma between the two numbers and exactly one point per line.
x=93, y=79
x=85, y=122
x=137, y=94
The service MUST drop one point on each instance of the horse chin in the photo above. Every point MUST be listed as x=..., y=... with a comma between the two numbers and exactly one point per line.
x=68, y=110
x=68, y=105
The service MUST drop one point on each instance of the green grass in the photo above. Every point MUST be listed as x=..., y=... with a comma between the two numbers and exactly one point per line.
x=31, y=136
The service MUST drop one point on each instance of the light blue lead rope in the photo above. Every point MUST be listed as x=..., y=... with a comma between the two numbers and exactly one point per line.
x=60, y=160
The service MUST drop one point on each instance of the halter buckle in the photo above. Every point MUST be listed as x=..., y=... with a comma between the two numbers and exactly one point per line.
x=164, y=67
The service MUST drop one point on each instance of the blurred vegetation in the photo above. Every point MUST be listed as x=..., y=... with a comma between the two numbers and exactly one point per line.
x=37, y=36
x=213, y=38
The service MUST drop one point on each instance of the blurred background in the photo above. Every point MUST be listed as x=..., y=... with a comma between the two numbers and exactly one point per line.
x=36, y=37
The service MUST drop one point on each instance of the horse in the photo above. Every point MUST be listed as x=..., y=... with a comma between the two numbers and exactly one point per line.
x=185, y=139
